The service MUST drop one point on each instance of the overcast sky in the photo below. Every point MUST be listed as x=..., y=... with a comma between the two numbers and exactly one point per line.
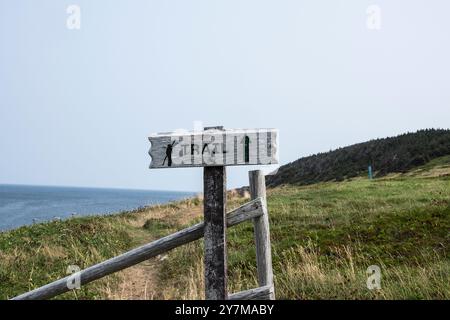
x=77, y=105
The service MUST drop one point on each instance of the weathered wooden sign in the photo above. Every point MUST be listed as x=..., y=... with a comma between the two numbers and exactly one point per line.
x=214, y=147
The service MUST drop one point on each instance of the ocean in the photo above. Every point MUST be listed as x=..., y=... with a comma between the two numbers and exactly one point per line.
x=24, y=205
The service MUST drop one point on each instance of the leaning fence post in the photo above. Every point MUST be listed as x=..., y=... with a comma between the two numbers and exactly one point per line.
x=262, y=232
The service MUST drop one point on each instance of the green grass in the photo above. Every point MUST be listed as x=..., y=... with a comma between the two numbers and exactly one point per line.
x=32, y=256
x=441, y=161
x=35, y=255
x=324, y=236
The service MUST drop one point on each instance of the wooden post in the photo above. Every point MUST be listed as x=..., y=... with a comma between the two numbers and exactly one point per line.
x=214, y=199
x=215, y=233
x=262, y=232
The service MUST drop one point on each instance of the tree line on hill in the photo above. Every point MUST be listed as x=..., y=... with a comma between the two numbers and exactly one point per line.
x=387, y=155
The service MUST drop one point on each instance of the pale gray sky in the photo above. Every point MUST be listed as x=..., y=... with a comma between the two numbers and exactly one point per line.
x=76, y=106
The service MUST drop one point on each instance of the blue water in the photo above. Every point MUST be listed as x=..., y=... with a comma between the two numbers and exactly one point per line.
x=23, y=205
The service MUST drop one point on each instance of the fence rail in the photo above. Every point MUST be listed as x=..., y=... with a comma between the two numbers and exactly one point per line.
x=250, y=210
x=260, y=293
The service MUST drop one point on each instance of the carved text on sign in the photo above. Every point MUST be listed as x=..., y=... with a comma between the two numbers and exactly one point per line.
x=214, y=148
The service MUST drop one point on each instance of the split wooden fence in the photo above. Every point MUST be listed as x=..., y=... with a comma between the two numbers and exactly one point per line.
x=255, y=210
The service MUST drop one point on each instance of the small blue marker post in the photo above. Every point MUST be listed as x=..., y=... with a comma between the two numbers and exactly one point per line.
x=370, y=173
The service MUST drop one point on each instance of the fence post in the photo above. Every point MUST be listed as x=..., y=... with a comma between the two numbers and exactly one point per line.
x=214, y=210
x=262, y=232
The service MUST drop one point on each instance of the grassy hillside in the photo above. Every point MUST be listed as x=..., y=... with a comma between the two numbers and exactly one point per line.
x=389, y=155
x=324, y=236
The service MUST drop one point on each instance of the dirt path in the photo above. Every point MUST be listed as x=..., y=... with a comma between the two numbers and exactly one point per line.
x=137, y=283
x=140, y=281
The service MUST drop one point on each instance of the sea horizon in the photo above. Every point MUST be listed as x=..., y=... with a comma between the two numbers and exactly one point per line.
x=22, y=204
x=93, y=187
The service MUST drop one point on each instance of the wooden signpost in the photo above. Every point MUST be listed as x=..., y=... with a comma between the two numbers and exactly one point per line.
x=214, y=148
